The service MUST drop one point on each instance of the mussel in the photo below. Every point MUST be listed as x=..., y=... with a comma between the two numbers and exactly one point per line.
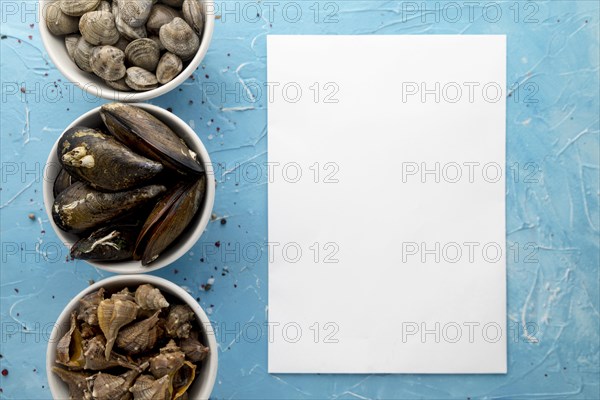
x=80, y=207
x=110, y=243
x=146, y=135
x=168, y=219
x=103, y=162
x=63, y=180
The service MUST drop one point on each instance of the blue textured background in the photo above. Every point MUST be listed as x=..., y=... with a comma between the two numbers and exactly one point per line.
x=552, y=196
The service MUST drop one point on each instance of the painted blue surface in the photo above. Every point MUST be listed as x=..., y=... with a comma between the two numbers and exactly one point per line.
x=552, y=195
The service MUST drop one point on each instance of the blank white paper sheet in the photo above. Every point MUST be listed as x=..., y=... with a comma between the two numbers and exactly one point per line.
x=387, y=204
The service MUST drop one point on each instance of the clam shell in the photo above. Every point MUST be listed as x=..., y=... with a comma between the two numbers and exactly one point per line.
x=168, y=67
x=169, y=218
x=122, y=43
x=193, y=13
x=172, y=3
x=180, y=39
x=71, y=44
x=102, y=161
x=140, y=79
x=135, y=13
x=159, y=16
x=82, y=54
x=143, y=53
x=98, y=27
x=150, y=137
x=119, y=85
x=150, y=298
x=104, y=6
x=108, y=63
x=58, y=22
x=80, y=208
x=111, y=243
x=129, y=32
x=157, y=41
x=78, y=7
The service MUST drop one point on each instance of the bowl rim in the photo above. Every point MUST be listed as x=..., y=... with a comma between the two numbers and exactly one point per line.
x=135, y=267
x=102, y=90
x=129, y=280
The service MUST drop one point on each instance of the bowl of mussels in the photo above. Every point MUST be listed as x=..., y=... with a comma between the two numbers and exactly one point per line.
x=134, y=337
x=127, y=50
x=129, y=188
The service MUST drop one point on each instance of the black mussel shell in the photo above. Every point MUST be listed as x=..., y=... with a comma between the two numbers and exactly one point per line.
x=111, y=243
x=63, y=180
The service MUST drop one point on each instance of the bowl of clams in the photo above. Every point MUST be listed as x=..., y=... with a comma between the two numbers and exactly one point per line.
x=129, y=188
x=134, y=337
x=127, y=50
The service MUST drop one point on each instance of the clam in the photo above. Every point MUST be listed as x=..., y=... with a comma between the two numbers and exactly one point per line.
x=193, y=14
x=168, y=220
x=147, y=388
x=170, y=359
x=111, y=243
x=69, y=349
x=58, y=22
x=193, y=349
x=150, y=298
x=95, y=359
x=143, y=53
x=112, y=316
x=77, y=382
x=157, y=41
x=150, y=137
x=79, y=207
x=179, y=38
x=183, y=379
x=135, y=12
x=108, y=63
x=179, y=320
x=129, y=32
x=78, y=7
x=168, y=67
x=122, y=44
x=104, y=6
x=98, y=27
x=82, y=54
x=88, y=307
x=102, y=161
x=119, y=85
x=140, y=79
x=71, y=44
x=63, y=180
x=139, y=337
x=159, y=16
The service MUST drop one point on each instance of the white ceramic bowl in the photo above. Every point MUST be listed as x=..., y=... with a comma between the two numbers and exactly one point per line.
x=207, y=373
x=192, y=233
x=55, y=46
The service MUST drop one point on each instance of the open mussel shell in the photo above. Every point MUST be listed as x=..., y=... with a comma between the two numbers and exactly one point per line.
x=168, y=219
x=103, y=162
x=145, y=134
x=81, y=208
x=111, y=243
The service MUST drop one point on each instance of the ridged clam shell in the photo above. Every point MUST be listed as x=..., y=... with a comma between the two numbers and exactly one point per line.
x=180, y=39
x=156, y=39
x=135, y=12
x=193, y=14
x=143, y=53
x=104, y=6
x=168, y=67
x=58, y=22
x=159, y=16
x=140, y=79
x=82, y=53
x=78, y=7
x=108, y=63
x=129, y=32
x=71, y=44
x=98, y=27
x=119, y=85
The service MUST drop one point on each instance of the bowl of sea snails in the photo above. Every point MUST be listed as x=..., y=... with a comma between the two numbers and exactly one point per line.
x=129, y=188
x=136, y=337
x=127, y=50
